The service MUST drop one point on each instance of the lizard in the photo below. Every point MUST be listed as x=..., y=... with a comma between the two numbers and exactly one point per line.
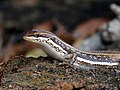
x=58, y=49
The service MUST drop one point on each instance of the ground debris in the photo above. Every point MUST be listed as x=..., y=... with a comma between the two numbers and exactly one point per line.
x=47, y=73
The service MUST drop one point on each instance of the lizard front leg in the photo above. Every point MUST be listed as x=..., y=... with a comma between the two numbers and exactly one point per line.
x=72, y=59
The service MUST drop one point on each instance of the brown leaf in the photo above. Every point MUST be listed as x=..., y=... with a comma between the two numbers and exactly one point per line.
x=88, y=28
x=62, y=32
x=46, y=25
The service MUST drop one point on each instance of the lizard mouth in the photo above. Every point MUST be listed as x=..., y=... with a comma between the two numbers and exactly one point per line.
x=26, y=38
x=31, y=39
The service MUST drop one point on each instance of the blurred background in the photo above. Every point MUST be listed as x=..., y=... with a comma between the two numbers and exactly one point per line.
x=77, y=22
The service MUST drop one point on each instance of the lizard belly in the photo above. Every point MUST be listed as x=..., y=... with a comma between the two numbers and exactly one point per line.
x=52, y=52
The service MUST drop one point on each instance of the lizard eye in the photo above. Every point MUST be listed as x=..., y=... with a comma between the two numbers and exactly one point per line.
x=37, y=35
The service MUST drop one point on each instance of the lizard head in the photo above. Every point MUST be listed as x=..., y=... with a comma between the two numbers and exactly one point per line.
x=37, y=36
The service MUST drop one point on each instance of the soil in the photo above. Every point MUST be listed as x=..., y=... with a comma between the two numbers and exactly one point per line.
x=47, y=73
